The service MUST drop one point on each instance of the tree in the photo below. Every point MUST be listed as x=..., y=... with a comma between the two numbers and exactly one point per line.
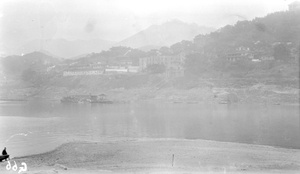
x=242, y=66
x=196, y=64
x=156, y=68
x=152, y=52
x=183, y=46
x=28, y=75
x=281, y=53
x=135, y=54
x=165, y=51
x=298, y=51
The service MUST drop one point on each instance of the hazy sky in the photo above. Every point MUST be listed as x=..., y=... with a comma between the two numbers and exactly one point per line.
x=24, y=20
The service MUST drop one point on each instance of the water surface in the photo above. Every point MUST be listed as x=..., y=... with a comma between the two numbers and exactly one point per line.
x=38, y=126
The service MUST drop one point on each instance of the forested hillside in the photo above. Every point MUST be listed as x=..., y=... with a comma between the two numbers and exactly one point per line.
x=269, y=49
x=276, y=35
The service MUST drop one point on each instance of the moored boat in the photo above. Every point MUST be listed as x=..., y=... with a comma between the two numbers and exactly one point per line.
x=4, y=157
x=86, y=99
x=100, y=99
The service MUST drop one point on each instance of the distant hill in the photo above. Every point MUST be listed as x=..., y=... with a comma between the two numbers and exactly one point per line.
x=165, y=34
x=63, y=48
x=36, y=61
x=149, y=47
x=258, y=34
x=276, y=35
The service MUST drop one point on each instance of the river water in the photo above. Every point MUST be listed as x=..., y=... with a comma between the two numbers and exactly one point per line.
x=38, y=126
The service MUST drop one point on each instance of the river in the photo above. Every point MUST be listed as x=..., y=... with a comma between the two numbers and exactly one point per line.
x=39, y=126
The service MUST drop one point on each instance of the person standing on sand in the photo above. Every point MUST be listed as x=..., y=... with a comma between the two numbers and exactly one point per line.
x=4, y=151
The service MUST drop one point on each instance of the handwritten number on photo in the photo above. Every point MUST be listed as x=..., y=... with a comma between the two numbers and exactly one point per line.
x=15, y=167
x=23, y=169
x=8, y=166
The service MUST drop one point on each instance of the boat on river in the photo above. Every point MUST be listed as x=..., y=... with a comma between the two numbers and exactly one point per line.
x=102, y=98
x=4, y=157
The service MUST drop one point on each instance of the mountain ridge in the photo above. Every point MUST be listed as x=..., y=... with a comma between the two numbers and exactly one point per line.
x=164, y=34
x=62, y=47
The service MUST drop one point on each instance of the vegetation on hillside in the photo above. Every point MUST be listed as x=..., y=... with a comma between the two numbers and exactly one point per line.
x=276, y=35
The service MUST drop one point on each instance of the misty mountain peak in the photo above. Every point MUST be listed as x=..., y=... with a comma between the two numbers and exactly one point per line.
x=164, y=34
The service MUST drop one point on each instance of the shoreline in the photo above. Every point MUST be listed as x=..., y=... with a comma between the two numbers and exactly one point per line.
x=209, y=91
x=121, y=139
x=148, y=155
x=57, y=100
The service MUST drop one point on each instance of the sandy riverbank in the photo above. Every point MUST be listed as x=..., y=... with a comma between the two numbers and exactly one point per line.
x=155, y=156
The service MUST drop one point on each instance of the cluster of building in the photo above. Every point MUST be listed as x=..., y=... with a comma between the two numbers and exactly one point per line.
x=245, y=53
x=174, y=64
x=82, y=72
x=99, y=70
x=174, y=67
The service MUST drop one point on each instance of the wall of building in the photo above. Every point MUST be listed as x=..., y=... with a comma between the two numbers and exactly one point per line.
x=174, y=64
x=168, y=61
x=80, y=73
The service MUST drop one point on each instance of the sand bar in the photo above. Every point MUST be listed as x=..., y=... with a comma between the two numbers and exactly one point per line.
x=161, y=156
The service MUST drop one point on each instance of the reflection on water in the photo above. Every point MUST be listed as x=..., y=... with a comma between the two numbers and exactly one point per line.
x=48, y=124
